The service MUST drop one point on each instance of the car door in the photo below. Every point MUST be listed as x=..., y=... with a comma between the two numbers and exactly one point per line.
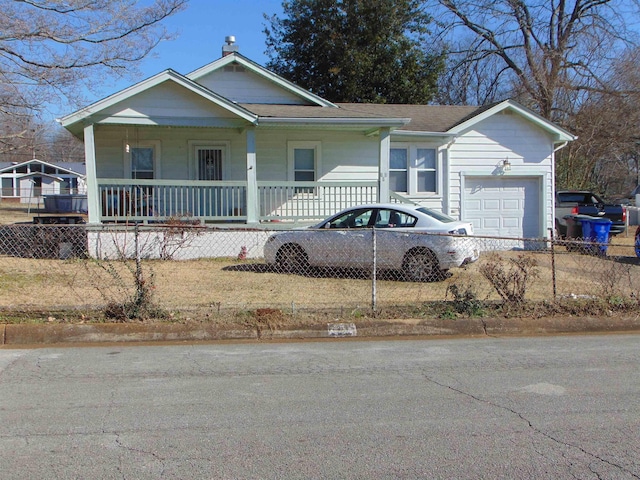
x=393, y=236
x=344, y=241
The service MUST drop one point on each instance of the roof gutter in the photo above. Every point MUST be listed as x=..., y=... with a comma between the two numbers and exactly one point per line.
x=411, y=133
x=364, y=122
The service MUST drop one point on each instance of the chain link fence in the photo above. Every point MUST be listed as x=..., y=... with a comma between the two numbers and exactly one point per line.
x=194, y=271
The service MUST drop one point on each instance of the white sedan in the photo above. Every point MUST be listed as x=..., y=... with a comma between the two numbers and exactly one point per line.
x=418, y=241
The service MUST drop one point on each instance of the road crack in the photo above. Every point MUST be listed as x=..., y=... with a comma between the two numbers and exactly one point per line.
x=535, y=429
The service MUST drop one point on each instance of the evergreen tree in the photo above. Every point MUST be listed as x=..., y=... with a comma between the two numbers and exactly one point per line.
x=355, y=50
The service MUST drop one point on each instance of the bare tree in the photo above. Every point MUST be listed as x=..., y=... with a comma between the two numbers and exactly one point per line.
x=549, y=53
x=606, y=155
x=50, y=48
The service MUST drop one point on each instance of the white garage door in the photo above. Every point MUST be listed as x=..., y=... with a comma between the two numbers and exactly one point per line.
x=503, y=206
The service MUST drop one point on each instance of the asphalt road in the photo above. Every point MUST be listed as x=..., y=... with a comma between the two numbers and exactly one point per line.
x=553, y=407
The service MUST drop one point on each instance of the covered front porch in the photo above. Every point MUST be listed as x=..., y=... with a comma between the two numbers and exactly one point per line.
x=222, y=201
x=247, y=200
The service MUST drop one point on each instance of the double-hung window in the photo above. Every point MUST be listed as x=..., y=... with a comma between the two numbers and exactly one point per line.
x=425, y=166
x=304, y=163
x=398, y=170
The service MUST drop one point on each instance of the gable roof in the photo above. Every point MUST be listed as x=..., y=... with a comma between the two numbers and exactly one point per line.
x=453, y=119
x=72, y=120
x=559, y=134
x=259, y=70
x=8, y=167
x=404, y=120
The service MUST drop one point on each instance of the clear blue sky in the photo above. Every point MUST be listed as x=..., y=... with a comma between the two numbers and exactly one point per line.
x=201, y=30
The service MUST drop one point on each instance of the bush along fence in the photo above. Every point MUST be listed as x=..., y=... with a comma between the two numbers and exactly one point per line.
x=181, y=271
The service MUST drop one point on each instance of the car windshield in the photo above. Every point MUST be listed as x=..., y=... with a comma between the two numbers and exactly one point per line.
x=437, y=215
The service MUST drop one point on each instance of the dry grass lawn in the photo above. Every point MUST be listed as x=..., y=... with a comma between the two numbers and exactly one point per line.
x=199, y=287
x=11, y=212
x=205, y=287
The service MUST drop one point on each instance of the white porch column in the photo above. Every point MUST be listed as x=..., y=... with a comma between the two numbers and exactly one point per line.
x=253, y=205
x=383, y=165
x=93, y=199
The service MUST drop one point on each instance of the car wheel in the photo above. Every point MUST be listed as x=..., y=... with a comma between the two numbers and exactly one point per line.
x=292, y=258
x=421, y=266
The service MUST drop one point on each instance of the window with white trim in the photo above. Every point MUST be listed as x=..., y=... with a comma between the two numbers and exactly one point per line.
x=304, y=163
x=142, y=163
x=413, y=169
x=142, y=160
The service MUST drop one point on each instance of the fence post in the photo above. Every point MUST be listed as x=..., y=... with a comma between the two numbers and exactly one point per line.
x=553, y=261
x=374, y=271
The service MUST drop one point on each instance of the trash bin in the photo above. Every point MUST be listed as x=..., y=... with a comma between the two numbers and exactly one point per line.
x=596, y=231
x=574, y=225
x=638, y=242
x=574, y=234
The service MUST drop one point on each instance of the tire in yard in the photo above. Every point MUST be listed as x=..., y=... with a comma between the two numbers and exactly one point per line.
x=291, y=258
x=421, y=265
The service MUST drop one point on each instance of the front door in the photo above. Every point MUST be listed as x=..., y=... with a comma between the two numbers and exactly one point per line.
x=210, y=163
x=211, y=200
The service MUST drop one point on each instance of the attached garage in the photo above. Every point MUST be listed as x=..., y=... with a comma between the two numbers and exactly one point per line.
x=504, y=206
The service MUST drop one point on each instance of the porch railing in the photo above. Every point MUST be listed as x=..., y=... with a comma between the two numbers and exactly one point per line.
x=159, y=200
x=308, y=201
x=149, y=200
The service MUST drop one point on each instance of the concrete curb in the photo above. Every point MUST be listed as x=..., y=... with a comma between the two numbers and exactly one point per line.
x=52, y=334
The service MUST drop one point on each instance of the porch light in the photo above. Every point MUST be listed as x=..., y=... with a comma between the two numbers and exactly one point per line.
x=506, y=165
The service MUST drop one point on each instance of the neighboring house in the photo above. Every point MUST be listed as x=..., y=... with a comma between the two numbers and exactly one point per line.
x=234, y=141
x=28, y=181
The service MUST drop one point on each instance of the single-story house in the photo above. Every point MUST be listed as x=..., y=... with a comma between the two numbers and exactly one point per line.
x=27, y=181
x=232, y=141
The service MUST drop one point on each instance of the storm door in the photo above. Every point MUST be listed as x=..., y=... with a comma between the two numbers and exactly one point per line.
x=210, y=163
x=211, y=201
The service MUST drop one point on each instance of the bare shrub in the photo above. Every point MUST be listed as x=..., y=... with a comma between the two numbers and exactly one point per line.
x=510, y=277
x=614, y=279
x=179, y=233
x=126, y=285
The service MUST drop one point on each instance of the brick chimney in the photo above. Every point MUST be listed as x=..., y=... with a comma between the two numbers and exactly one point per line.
x=229, y=46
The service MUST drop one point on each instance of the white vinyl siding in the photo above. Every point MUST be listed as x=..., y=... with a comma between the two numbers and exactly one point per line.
x=480, y=151
x=243, y=86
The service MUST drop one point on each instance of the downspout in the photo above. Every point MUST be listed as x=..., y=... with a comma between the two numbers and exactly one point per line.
x=553, y=185
x=446, y=181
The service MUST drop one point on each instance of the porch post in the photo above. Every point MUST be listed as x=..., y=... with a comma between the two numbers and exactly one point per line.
x=253, y=207
x=93, y=200
x=383, y=166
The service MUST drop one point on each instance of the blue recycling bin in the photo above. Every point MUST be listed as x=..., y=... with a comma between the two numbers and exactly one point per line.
x=638, y=242
x=596, y=231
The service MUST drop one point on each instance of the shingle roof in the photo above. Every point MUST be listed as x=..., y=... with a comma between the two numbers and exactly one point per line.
x=424, y=118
